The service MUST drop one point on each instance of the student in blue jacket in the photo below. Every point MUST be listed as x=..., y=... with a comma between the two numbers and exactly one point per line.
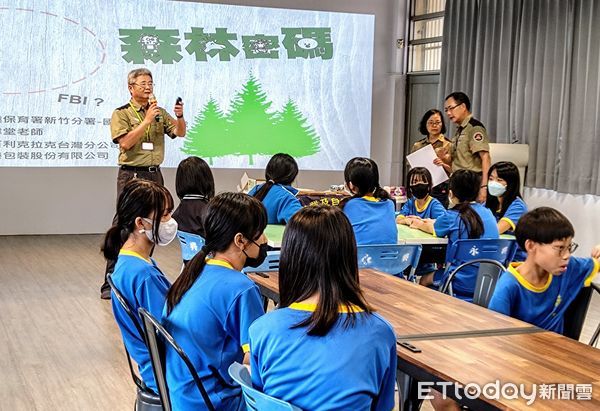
x=466, y=219
x=277, y=194
x=504, y=199
x=324, y=348
x=212, y=304
x=143, y=219
x=370, y=210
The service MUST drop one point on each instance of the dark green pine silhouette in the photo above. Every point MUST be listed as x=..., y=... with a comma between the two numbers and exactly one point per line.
x=206, y=137
x=297, y=136
x=251, y=126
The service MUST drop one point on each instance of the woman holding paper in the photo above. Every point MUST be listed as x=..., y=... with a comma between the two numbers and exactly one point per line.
x=433, y=128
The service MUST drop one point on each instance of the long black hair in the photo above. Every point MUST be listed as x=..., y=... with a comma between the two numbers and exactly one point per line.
x=194, y=177
x=139, y=198
x=363, y=173
x=281, y=169
x=226, y=215
x=465, y=185
x=423, y=174
x=510, y=173
x=312, y=263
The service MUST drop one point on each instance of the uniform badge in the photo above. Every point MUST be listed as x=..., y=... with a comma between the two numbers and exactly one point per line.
x=478, y=136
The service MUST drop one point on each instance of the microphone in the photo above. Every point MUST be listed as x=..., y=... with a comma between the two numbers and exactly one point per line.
x=151, y=100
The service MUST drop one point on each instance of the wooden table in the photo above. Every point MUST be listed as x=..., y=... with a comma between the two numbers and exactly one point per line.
x=464, y=343
x=541, y=358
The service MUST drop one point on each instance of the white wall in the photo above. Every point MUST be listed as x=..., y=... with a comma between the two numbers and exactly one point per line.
x=81, y=200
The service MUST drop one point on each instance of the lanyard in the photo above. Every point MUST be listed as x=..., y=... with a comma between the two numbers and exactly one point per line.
x=141, y=120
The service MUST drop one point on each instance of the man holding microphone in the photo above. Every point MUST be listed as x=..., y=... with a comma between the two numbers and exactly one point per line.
x=139, y=128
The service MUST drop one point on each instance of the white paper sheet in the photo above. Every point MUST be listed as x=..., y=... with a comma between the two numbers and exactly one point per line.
x=424, y=158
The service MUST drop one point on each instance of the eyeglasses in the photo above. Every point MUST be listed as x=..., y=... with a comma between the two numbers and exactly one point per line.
x=434, y=123
x=447, y=109
x=563, y=248
x=144, y=85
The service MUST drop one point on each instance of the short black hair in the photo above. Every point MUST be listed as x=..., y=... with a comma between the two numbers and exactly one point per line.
x=420, y=172
x=460, y=98
x=423, y=123
x=194, y=177
x=543, y=225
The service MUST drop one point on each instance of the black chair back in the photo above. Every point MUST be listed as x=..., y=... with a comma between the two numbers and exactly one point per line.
x=156, y=335
x=487, y=276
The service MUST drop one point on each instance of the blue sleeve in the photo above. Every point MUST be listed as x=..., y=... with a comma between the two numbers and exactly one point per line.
x=437, y=209
x=254, y=364
x=253, y=190
x=385, y=400
x=152, y=293
x=444, y=224
x=407, y=208
x=503, y=297
x=581, y=272
x=287, y=208
x=514, y=212
x=246, y=308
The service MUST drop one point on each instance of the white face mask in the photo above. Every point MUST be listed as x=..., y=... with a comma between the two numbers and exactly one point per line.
x=496, y=189
x=167, y=231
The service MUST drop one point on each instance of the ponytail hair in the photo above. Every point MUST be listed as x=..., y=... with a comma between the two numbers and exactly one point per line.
x=281, y=169
x=139, y=198
x=226, y=215
x=363, y=173
x=465, y=185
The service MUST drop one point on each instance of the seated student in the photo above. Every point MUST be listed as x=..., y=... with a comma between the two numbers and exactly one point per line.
x=324, y=348
x=467, y=219
x=195, y=186
x=540, y=289
x=370, y=210
x=277, y=194
x=420, y=203
x=504, y=200
x=143, y=219
x=211, y=305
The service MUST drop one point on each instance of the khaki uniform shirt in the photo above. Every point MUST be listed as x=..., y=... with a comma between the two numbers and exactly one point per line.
x=126, y=118
x=470, y=138
x=441, y=145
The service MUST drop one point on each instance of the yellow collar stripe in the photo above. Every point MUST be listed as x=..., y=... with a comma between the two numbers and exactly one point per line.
x=134, y=254
x=590, y=277
x=371, y=198
x=313, y=307
x=420, y=210
x=221, y=263
x=512, y=268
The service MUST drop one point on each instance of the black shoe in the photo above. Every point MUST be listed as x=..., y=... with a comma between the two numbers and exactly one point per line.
x=105, y=291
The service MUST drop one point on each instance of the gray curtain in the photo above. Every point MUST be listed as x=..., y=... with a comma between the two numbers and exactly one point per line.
x=532, y=70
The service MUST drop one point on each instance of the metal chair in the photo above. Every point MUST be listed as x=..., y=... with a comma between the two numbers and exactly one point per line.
x=256, y=400
x=390, y=258
x=147, y=400
x=156, y=347
x=576, y=313
x=594, y=340
x=499, y=250
x=487, y=276
x=190, y=244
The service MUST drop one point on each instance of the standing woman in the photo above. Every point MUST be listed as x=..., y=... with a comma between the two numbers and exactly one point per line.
x=324, y=348
x=195, y=186
x=433, y=127
x=277, y=194
x=504, y=200
x=212, y=304
x=143, y=219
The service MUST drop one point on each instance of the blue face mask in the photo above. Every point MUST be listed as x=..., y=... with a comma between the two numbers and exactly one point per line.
x=496, y=189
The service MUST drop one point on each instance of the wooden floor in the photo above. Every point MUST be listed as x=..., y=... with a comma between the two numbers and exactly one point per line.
x=60, y=348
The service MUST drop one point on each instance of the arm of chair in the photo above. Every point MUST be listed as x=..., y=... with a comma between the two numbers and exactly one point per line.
x=448, y=283
x=596, y=335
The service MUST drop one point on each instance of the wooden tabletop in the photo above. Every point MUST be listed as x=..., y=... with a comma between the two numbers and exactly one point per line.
x=540, y=358
x=417, y=312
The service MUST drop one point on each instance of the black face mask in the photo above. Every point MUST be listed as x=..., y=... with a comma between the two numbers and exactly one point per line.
x=262, y=254
x=420, y=191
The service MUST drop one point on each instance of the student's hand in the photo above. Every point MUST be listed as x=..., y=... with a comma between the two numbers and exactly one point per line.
x=596, y=251
x=417, y=223
x=402, y=220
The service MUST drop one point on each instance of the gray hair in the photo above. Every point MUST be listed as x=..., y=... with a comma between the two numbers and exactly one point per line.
x=134, y=74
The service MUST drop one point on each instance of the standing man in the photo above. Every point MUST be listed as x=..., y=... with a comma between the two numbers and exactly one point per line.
x=470, y=148
x=139, y=128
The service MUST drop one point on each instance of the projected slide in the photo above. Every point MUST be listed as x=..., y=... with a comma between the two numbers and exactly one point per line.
x=254, y=81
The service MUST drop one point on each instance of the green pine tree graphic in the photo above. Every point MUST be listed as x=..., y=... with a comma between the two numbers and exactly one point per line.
x=206, y=138
x=251, y=128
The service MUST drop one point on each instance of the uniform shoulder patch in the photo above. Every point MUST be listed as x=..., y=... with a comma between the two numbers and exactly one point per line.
x=123, y=107
x=478, y=136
